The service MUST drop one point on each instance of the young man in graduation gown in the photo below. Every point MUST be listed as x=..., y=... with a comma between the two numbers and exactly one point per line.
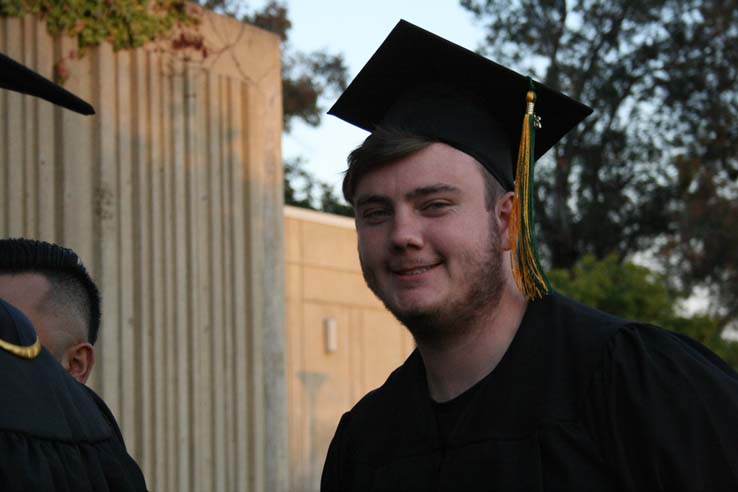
x=56, y=435
x=512, y=386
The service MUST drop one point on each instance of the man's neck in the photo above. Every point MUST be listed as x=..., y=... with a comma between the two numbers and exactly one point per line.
x=461, y=363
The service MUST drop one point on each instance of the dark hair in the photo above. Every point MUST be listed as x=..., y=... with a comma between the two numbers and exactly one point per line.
x=63, y=269
x=387, y=145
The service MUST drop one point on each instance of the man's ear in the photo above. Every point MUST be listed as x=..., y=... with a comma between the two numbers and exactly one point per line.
x=78, y=360
x=503, y=214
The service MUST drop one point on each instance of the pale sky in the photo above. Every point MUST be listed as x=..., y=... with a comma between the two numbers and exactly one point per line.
x=356, y=29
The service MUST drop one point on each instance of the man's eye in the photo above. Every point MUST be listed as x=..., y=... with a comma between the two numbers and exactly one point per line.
x=375, y=214
x=436, y=206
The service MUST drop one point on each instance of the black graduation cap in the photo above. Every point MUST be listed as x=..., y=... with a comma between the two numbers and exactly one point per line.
x=421, y=83
x=17, y=336
x=19, y=78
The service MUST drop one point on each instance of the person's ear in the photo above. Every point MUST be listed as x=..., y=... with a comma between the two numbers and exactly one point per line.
x=78, y=360
x=503, y=215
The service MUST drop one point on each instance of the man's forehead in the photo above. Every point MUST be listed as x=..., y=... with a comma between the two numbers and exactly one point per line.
x=436, y=166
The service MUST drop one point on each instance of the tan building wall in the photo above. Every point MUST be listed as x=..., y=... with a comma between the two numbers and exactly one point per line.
x=325, y=289
x=172, y=196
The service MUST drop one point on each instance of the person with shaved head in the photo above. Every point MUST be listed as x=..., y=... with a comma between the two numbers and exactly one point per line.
x=56, y=434
x=51, y=286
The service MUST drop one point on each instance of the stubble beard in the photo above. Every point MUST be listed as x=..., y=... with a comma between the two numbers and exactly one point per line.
x=438, y=326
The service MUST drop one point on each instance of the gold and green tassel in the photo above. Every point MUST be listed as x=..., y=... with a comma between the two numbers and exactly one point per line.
x=526, y=265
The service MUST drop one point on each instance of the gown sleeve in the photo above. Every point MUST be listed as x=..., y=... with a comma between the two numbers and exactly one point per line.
x=336, y=464
x=664, y=411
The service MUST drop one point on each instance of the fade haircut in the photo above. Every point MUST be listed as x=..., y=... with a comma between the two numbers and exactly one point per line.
x=70, y=284
x=387, y=145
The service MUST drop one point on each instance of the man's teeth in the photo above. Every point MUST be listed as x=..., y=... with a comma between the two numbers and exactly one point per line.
x=417, y=271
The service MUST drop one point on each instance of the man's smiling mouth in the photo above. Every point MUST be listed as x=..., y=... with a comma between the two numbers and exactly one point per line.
x=415, y=269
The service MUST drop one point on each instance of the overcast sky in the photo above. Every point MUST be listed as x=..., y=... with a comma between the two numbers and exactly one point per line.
x=356, y=29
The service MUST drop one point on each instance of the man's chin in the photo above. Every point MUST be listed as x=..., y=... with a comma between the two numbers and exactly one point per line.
x=437, y=325
x=411, y=310
x=423, y=321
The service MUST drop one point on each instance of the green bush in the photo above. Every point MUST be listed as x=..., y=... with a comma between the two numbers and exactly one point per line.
x=635, y=292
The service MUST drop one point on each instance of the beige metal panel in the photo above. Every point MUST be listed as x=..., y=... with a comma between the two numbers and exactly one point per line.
x=325, y=380
x=227, y=356
x=298, y=447
x=80, y=153
x=181, y=325
x=209, y=357
x=266, y=346
x=262, y=154
x=325, y=246
x=128, y=363
x=158, y=480
x=356, y=350
x=292, y=240
x=323, y=284
x=196, y=275
x=171, y=195
x=382, y=346
x=29, y=129
x=169, y=297
x=299, y=444
x=248, y=373
x=217, y=296
x=14, y=172
x=46, y=195
x=142, y=353
x=293, y=282
x=107, y=215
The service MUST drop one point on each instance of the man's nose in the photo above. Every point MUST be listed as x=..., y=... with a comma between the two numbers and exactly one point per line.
x=407, y=232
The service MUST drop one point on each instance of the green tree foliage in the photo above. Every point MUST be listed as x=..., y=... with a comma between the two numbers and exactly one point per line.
x=331, y=203
x=624, y=289
x=658, y=159
x=302, y=189
x=122, y=23
x=299, y=185
x=307, y=79
x=635, y=292
x=704, y=248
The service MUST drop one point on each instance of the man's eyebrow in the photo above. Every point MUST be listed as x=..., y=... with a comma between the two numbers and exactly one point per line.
x=364, y=199
x=411, y=195
x=431, y=189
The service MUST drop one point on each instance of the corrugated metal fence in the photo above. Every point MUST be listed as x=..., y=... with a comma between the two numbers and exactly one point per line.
x=172, y=196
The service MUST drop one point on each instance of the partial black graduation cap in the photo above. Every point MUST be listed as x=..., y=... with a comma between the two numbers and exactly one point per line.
x=15, y=328
x=419, y=82
x=19, y=78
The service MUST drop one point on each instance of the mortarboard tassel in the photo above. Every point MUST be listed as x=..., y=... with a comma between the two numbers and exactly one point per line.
x=526, y=266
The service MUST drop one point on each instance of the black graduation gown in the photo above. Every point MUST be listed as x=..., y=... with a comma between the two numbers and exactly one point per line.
x=580, y=401
x=55, y=433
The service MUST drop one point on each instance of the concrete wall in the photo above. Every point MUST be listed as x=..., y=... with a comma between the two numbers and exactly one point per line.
x=172, y=196
x=324, y=287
